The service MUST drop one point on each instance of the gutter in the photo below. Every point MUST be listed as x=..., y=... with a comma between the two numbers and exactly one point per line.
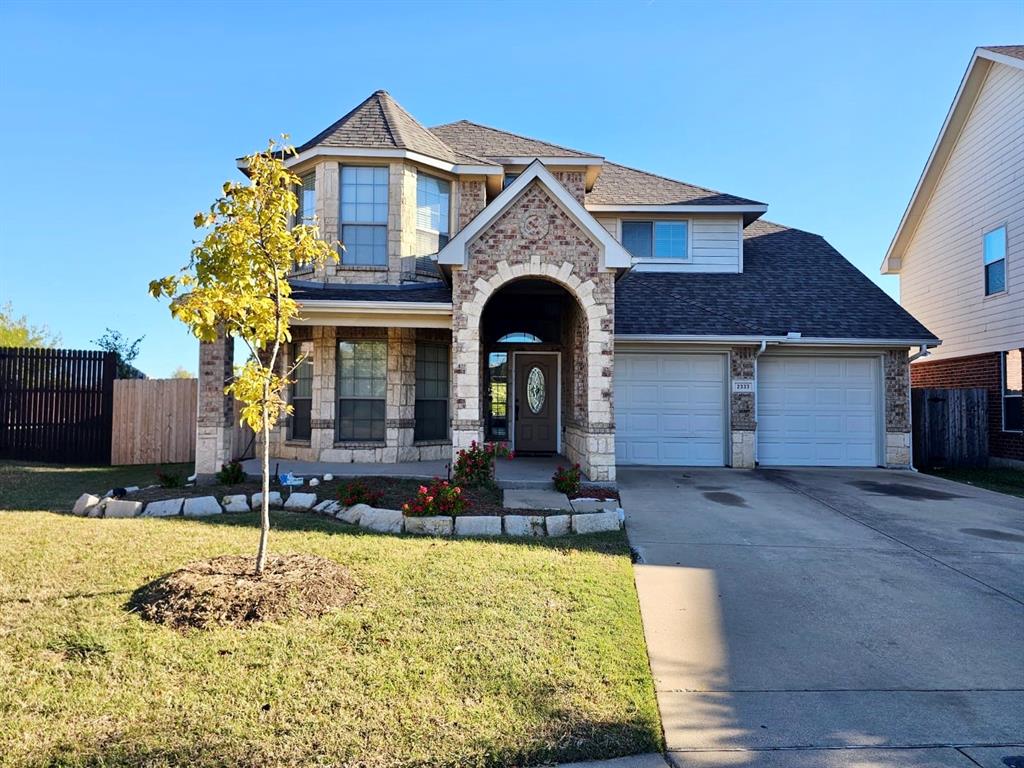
x=794, y=339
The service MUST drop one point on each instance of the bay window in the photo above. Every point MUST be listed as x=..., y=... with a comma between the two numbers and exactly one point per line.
x=433, y=197
x=364, y=215
x=362, y=385
x=305, y=193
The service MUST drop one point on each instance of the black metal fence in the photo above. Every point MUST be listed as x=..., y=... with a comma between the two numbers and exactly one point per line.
x=56, y=405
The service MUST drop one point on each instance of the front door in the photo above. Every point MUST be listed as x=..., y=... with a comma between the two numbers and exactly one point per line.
x=536, y=427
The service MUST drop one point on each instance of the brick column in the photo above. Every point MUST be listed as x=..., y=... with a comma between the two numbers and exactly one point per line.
x=897, y=408
x=742, y=424
x=214, y=410
x=472, y=199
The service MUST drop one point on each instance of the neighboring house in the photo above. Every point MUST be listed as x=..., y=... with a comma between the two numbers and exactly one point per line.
x=497, y=287
x=959, y=250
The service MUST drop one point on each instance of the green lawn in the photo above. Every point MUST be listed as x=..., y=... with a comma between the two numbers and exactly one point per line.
x=1001, y=479
x=455, y=652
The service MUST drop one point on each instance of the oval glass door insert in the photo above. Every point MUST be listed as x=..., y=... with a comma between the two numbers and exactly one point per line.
x=535, y=389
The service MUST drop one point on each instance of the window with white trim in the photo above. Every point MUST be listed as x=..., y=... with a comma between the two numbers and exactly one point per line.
x=1013, y=391
x=431, y=392
x=300, y=391
x=362, y=385
x=364, y=215
x=305, y=193
x=656, y=239
x=433, y=197
x=994, y=245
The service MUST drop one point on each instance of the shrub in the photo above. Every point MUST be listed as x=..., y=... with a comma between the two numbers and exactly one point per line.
x=567, y=481
x=440, y=498
x=231, y=473
x=474, y=466
x=358, y=492
x=170, y=479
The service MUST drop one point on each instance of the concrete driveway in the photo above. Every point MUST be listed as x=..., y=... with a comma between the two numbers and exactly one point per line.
x=823, y=617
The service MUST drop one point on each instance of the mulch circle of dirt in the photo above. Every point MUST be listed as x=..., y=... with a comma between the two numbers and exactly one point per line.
x=225, y=592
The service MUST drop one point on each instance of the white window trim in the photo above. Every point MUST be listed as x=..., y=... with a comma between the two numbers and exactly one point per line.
x=1005, y=260
x=654, y=221
x=1003, y=396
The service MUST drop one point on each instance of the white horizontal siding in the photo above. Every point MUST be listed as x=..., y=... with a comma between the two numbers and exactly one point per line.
x=942, y=279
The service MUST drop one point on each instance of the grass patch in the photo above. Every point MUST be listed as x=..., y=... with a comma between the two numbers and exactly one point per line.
x=453, y=653
x=1001, y=479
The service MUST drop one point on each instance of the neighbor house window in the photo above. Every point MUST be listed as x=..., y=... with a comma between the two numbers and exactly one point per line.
x=306, y=194
x=432, y=201
x=300, y=391
x=1013, y=417
x=364, y=215
x=362, y=379
x=431, y=392
x=995, y=261
x=655, y=239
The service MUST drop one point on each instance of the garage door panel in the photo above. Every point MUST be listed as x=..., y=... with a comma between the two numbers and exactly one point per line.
x=669, y=409
x=818, y=411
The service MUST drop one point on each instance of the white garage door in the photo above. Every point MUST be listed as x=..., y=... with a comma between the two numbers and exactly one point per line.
x=670, y=409
x=818, y=411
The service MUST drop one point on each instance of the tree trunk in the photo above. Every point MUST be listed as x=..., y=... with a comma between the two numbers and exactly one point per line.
x=261, y=555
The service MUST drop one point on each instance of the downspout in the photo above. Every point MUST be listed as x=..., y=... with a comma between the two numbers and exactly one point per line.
x=757, y=394
x=923, y=352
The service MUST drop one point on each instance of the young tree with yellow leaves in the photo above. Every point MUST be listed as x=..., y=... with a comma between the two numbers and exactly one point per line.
x=236, y=283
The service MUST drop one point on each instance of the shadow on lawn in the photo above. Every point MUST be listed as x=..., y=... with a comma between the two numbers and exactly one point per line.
x=604, y=543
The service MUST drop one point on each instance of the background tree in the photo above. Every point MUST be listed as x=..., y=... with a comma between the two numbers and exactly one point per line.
x=235, y=283
x=17, y=332
x=182, y=373
x=126, y=351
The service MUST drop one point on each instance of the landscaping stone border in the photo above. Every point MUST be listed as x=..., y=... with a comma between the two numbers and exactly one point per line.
x=598, y=517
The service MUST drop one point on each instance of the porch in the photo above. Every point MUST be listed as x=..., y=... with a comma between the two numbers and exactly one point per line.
x=521, y=472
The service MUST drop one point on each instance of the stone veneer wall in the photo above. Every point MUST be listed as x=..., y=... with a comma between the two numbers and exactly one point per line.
x=898, y=436
x=400, y=401
x=536, y=238
x=742, y=422
x=214, y=410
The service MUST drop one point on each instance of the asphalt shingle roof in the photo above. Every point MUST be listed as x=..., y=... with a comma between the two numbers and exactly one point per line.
x=484, y=141
x=791, y=281
x=1017, y=51
x=619, y=185
x=303, y=291
x=380, y=122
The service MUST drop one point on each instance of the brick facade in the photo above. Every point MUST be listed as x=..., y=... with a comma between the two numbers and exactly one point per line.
x=981, y=371
x=742, y=421
x=536, y=238
x=896, y=380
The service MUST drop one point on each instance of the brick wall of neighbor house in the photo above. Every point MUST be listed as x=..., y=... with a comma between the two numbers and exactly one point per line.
x=400, y=400
x=214, y=420
x=984, y=371
x=897, y=408
x=536, y=238
x=742, y=424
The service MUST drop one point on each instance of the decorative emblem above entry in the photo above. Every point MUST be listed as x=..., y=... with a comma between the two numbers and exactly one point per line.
x=534, y=226
x=535, y=389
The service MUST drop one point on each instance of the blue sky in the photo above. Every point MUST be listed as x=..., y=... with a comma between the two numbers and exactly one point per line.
x=119, y=120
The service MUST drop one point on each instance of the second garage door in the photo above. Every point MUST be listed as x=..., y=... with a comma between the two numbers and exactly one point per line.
x=818, y=411
x=670, y=409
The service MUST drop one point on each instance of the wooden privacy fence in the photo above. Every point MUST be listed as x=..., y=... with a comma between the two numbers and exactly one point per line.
x=950, y=427
x=154, y=421
x=56, y=405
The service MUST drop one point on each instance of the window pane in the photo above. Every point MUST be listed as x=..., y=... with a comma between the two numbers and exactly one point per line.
x=365, y=245
x=431, y=420
x=306, y=197
x=637, y=238
x=300, y=391
x=670, y=239
x=995, y=245
x=364, y=195
x=432, y=200
x=995, y=277
x=431, y=392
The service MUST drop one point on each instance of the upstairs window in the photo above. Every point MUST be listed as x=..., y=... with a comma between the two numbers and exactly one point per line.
x=306, y=194
x=509, y=178
x=995, y=261
x=364, y=215
x=300, y=392
x=656, y=239
x=433, y=197
x=1013, y=391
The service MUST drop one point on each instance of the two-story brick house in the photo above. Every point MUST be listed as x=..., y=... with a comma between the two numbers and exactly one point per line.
x=497, y=287
x=959, y=249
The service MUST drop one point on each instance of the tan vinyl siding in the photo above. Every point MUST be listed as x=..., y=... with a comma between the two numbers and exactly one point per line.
x=715, y=245
x=982, y=187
